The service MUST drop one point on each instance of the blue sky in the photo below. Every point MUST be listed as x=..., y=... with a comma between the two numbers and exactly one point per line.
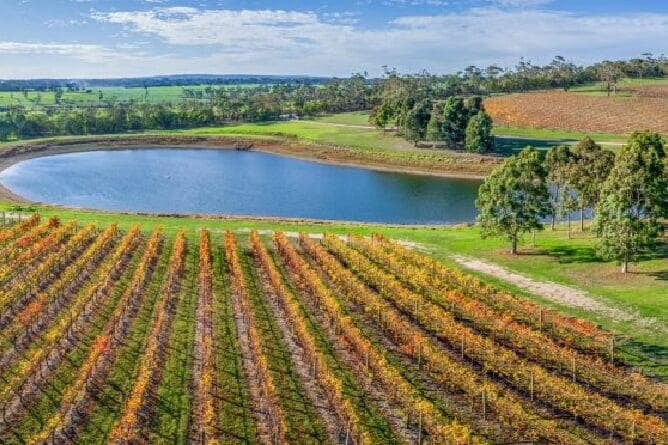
x=111, y=38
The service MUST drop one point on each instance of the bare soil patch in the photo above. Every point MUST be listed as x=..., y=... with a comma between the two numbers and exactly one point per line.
x=647, y=109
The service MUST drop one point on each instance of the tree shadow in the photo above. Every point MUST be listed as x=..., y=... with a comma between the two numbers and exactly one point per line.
x=652, y=358
x=509, y=145
x=661, y=275
x=573, y=254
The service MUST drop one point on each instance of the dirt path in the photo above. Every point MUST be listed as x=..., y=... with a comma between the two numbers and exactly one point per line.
x=333, y=124
x=561, y=294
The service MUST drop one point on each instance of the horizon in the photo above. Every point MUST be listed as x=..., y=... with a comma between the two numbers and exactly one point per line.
x=101, y=39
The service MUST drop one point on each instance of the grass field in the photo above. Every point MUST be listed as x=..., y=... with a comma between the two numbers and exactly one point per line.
x=94, y=96
x=171, y=335
x=625, y=87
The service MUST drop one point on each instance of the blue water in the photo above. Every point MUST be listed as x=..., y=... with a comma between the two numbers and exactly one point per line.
x=241, y=183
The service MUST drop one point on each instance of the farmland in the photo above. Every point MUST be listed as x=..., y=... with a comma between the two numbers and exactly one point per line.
x=638, y=106
x=200, y=335
x=98, y=96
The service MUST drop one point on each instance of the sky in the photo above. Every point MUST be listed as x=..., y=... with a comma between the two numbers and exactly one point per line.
x=128, y=38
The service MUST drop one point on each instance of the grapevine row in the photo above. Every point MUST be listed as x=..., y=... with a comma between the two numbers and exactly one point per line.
x=25, y=241
x=529, y=343
x=559, y=392
x=580, y=334
x=74, y=403
x=23, y=379
x=48, y=303
x=331, y=384
x=206, y=414
x=14, y=231
x=27, y=285
x=506, y=408
x=259, y=358
x=439, y=429
x=22, y=260
x=129, y=427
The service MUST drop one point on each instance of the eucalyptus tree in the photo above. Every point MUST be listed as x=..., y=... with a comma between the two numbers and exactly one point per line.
x=559, y=163
x=455, y=118
x=479, y=137
x=634, y=198
x=589, y=171
x=514, y=199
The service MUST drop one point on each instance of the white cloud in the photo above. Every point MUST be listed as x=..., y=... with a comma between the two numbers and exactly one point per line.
x=89, y=53
x=522, y=3
x=304, y=42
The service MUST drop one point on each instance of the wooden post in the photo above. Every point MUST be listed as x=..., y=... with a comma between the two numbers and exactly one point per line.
x=484, y=404
x=531, y=385
x=540, y=319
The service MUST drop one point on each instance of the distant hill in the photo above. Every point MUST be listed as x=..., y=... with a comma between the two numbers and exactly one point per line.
x=152, y=81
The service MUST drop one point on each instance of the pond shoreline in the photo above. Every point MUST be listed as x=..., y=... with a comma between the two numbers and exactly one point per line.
x=22, y=151
x=17, y=154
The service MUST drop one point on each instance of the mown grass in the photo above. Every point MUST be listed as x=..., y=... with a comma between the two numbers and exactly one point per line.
x=316, y=131
x=351, y=118
x=91, y=96
x=599, y=88
x=548, y=136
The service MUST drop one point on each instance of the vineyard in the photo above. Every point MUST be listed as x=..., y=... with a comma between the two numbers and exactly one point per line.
x=647, y=108
x=122, y=336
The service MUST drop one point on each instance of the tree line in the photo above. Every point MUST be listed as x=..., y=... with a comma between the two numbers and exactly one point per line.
x=627, y=193
x=421, y=106
x=213, y=106
x=460, y=123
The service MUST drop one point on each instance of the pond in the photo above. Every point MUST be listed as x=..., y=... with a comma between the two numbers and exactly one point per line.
x=240, y=183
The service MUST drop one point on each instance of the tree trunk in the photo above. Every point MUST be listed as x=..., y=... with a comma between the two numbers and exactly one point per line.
x=569, y=224
x=625, y=264
x=513, y=246
x=582, y=219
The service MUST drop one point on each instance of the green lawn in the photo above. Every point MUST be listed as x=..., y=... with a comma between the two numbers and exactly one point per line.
x=598, y=88
x=91, y=96
x=352, y=118
x=316, y=131
x=554, y=258
x=560, y=136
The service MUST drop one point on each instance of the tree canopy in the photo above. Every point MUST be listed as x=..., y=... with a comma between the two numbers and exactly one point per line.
x=479, y=137
x=633, y=199
x=514, y=199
